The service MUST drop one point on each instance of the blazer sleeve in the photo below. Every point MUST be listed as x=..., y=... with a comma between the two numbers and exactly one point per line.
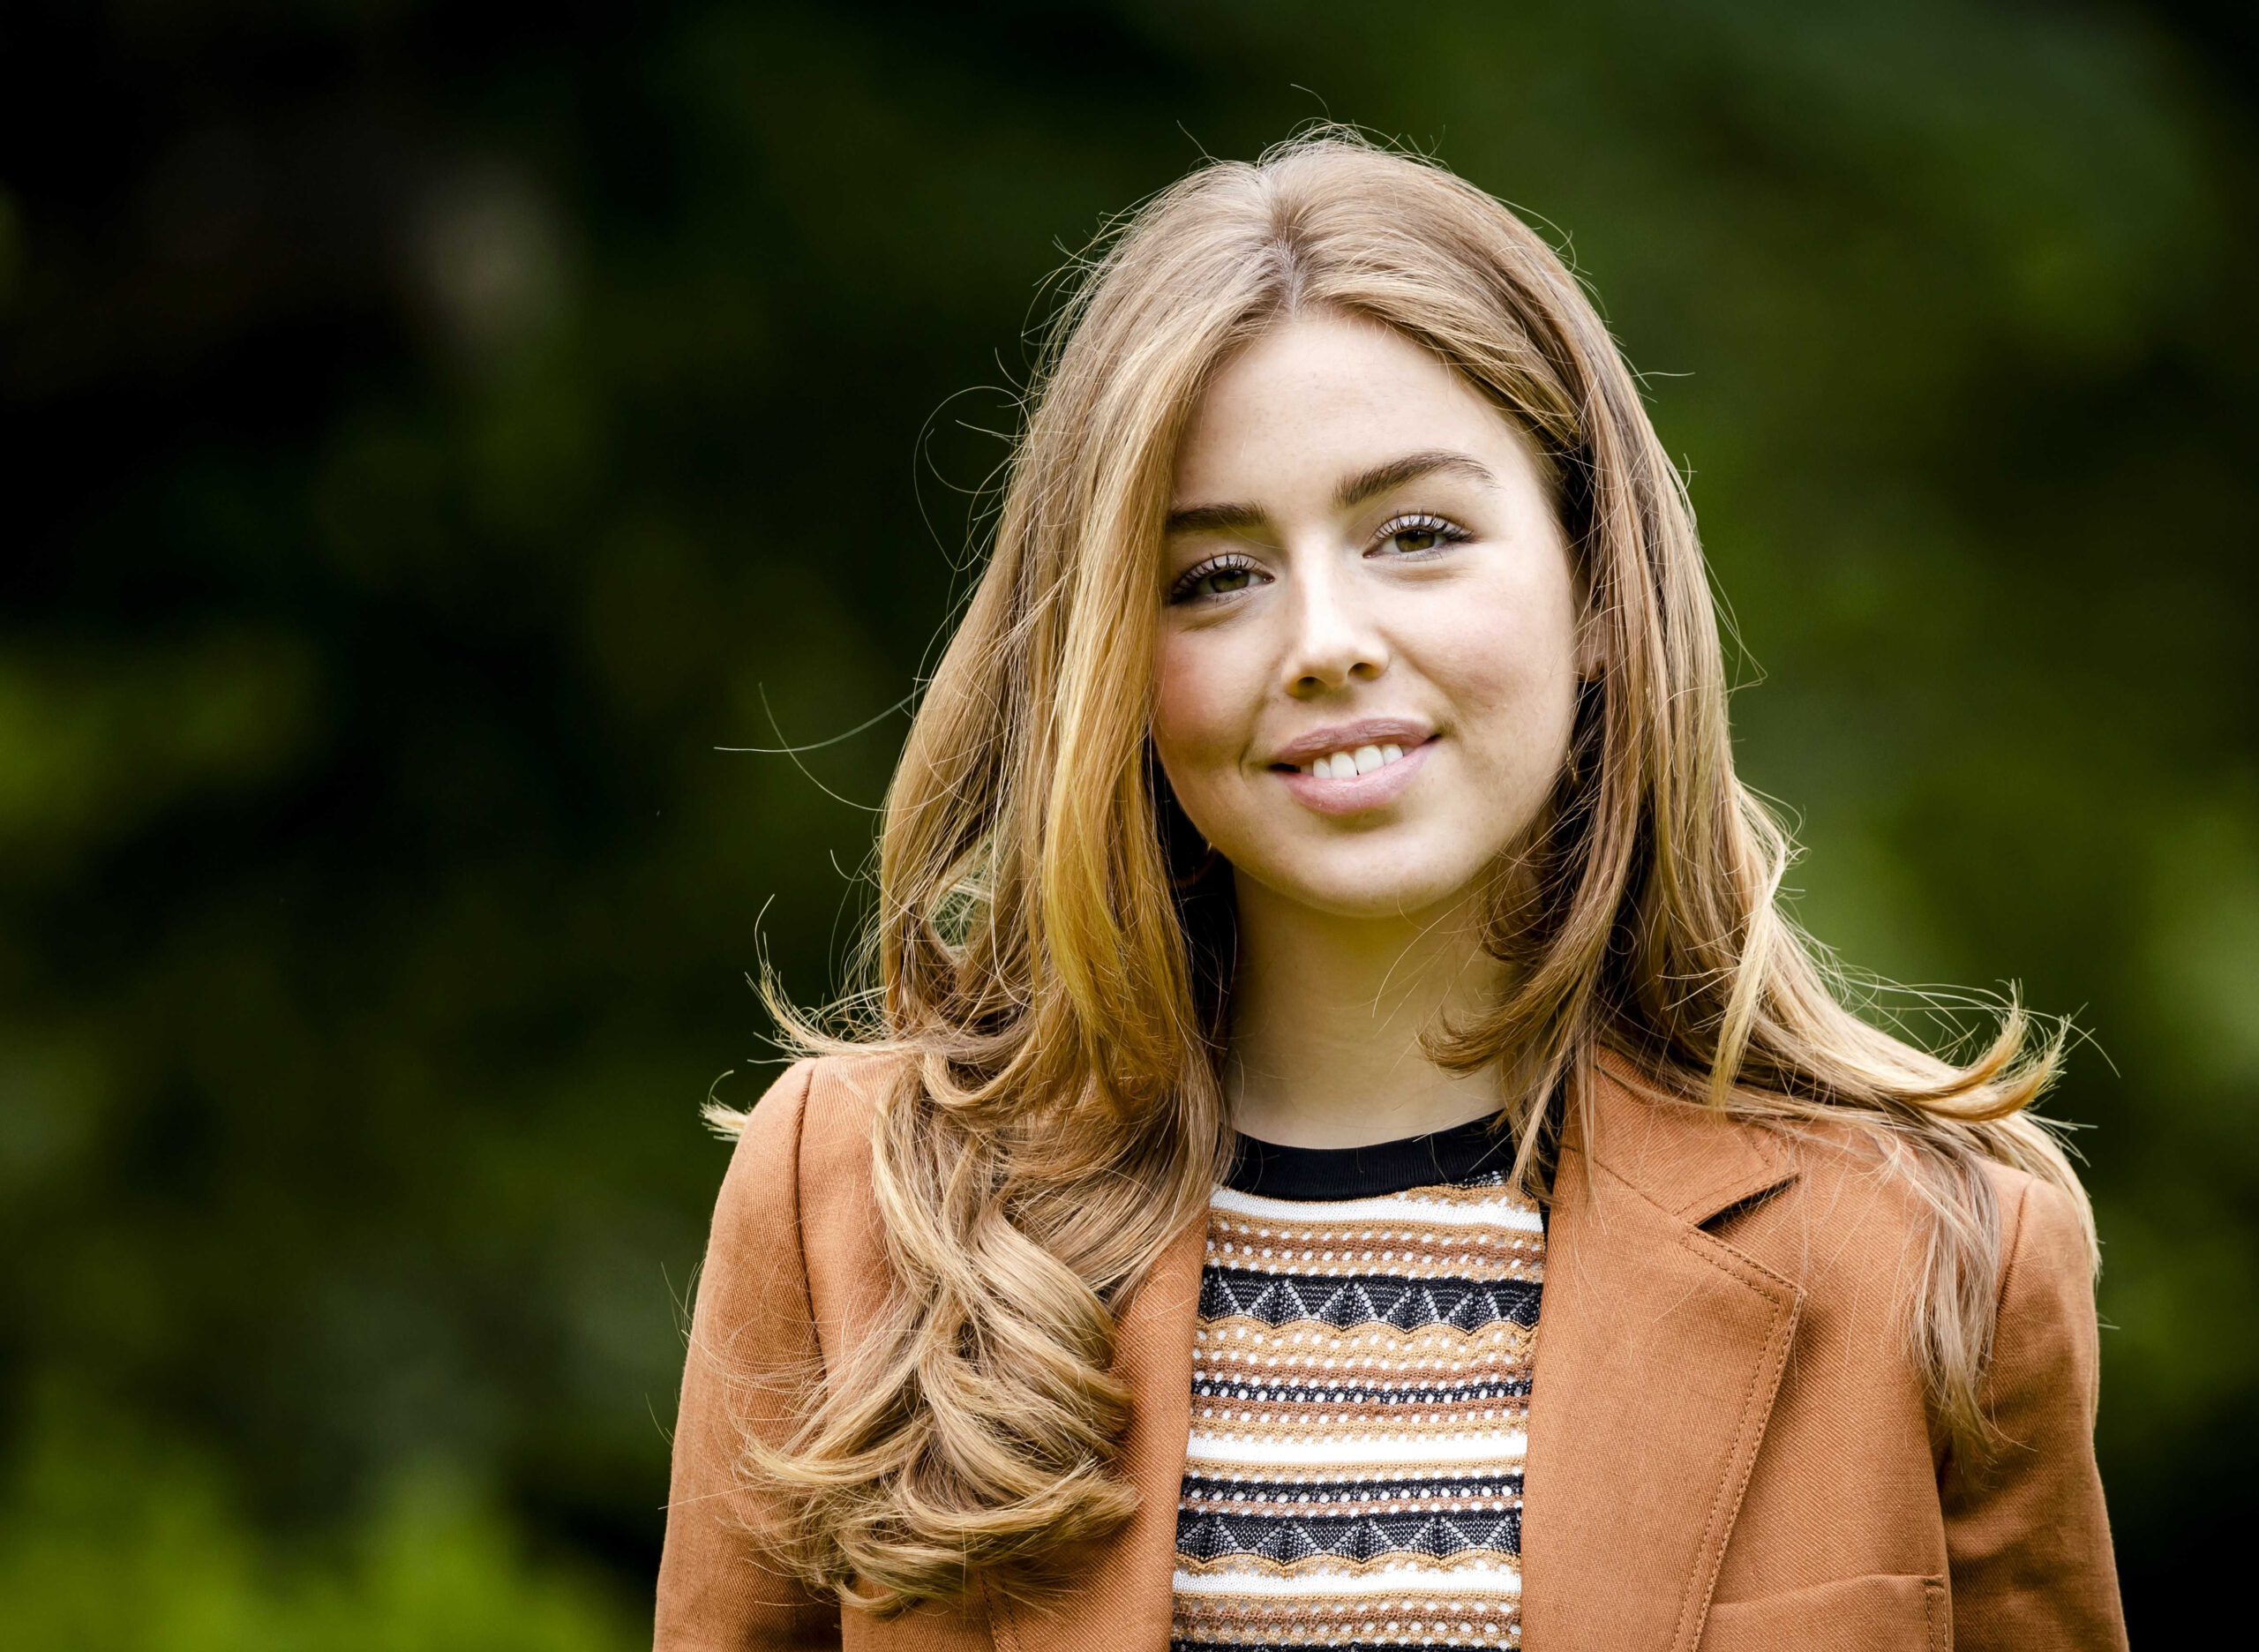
x=752, y=1341
x=2027, y=1535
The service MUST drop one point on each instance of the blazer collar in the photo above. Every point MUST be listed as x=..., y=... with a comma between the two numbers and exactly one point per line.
x=1660, y=1348
x=1687, y=1159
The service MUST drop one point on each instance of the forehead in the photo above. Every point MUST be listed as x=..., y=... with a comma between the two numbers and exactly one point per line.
x=1321, y=395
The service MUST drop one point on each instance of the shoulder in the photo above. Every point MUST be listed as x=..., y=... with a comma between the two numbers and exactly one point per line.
x=1857, y=1223
x=1831, y=1201
x=2047, y=1336
x=798, y=1196
x=2044, y=1230
x=812, y=1127
x=803, y=1149
x=1847, y=1164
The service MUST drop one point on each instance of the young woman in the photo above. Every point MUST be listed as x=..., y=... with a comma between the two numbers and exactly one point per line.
x=1344, y=1149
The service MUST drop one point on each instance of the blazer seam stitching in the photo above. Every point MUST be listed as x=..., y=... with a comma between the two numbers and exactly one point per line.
x=1728, y=1501
x=1000, y=1625
x=2011, y=1252
x=799, y=1230
x=1735, y=1264
x=1753, y=1275
x=801, y=1245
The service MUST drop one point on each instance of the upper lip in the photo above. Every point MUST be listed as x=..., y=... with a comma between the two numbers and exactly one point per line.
x=1323, y=742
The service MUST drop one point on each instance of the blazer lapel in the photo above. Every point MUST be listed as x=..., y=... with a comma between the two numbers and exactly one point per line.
x=1659, y=1350
x=1122, y=1600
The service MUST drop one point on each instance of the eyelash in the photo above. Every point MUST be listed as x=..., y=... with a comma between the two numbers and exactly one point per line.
x=1236, y=561
x=1421, y=522
x=1229, y=562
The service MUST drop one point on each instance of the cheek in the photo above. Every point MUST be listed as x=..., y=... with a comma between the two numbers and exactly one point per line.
x=1509, y=667
x=1200, y=712
x=1198, y=706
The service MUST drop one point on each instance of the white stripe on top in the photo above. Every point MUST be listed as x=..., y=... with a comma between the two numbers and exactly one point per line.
x=1478, y=1577
x=1351, y=1451
x=1389, y=1208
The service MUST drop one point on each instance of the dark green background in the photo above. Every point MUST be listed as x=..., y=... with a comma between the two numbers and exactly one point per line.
x=432, y=430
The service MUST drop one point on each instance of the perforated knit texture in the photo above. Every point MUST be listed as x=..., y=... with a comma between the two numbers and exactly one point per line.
x=1360, y=1383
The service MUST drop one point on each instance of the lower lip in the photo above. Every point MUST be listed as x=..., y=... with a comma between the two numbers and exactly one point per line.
x=1360, y=793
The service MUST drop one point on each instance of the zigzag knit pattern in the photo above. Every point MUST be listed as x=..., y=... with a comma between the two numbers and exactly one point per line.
x=1360, y=1387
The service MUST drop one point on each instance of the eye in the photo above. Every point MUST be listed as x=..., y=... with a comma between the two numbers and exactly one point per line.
x=1417, y=532
x=1223, y=576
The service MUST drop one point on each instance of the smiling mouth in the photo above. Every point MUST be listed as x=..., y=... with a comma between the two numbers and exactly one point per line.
x=1346, y=764
x=1357, y=779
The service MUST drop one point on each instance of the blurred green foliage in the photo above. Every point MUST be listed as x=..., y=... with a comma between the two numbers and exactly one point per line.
x=432, y=431
x=116, y=1540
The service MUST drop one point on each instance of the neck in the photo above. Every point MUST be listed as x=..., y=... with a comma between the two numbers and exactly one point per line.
x=1327, y=1014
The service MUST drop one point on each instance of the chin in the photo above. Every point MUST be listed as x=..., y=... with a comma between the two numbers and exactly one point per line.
x=1373, y=887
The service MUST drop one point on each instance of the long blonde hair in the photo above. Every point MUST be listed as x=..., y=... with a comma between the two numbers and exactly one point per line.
x=1052, y=971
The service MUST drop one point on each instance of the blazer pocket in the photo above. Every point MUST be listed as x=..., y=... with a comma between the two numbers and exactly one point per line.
x=1881, y=1613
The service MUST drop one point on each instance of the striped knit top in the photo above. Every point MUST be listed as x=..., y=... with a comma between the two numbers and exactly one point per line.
x=1360, y=1380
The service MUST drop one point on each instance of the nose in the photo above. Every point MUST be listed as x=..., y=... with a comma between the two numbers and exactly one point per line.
x=1336, y=641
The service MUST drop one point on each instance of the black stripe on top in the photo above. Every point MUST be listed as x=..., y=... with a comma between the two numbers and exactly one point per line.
x=1408, y=1305
x=1466, y=1155
x=1209, y=1535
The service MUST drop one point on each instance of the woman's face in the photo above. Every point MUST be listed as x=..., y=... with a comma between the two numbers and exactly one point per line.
x=1369, y=648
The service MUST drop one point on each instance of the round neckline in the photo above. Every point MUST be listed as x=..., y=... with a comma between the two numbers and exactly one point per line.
x=1461, y=1154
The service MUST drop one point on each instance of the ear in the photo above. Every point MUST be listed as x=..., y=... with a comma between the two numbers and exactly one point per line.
x=1596, y=645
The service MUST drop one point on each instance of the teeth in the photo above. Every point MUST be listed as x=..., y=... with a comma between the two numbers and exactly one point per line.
x=1343, y=765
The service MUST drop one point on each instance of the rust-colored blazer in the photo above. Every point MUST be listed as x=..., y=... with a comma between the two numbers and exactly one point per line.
x=1727, y=1447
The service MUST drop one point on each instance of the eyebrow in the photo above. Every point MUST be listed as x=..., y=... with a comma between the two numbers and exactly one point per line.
x=1214, y=518
x=1354, y=490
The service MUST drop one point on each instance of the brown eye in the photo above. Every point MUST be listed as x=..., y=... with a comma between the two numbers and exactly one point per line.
x=1221, y=576
x=1413, y=536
